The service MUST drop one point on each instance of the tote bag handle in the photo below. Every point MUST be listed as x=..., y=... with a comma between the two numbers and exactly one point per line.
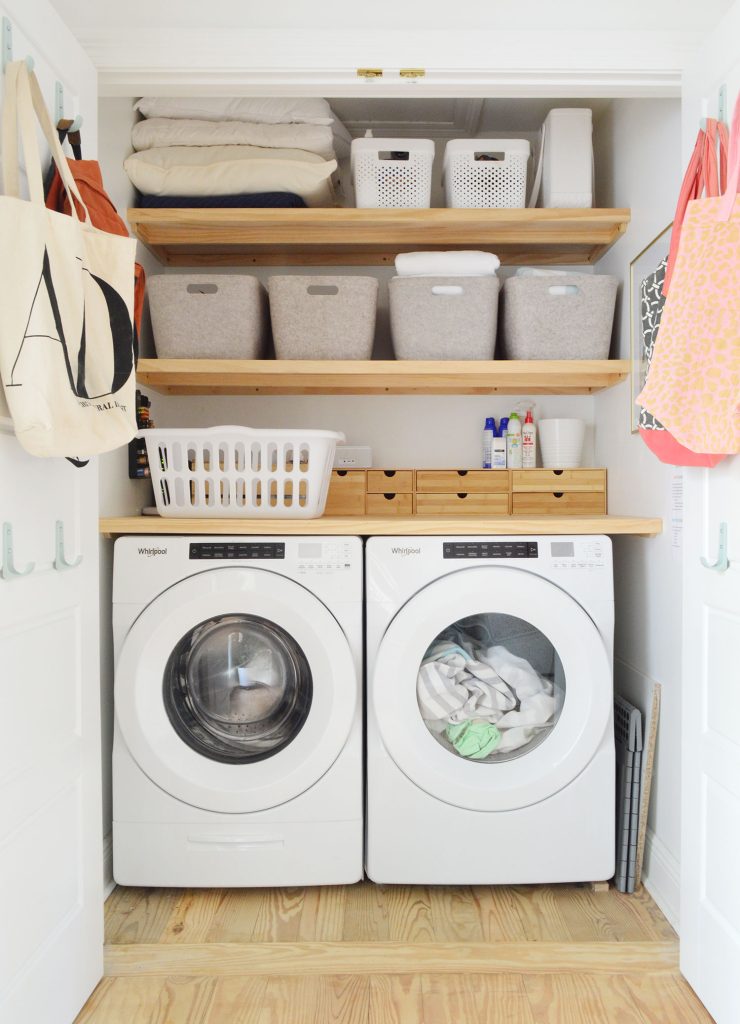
x=704, y=173
x=733, y=171
x=22, y=98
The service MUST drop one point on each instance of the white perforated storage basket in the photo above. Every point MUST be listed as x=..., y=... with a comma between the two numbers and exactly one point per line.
x=240, y=472
x=486, y=172
x=392, y=172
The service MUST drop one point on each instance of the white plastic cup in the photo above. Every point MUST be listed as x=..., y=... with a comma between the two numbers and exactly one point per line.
x=561, y=443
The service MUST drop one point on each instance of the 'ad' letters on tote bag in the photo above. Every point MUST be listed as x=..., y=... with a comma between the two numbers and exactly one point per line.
x=66, y=301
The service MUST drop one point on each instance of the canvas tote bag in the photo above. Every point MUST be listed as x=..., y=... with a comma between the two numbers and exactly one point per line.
x=693, y=386
x=66, y=300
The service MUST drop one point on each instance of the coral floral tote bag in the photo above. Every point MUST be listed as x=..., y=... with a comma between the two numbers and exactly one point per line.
x=693, y=385
x=66, y=301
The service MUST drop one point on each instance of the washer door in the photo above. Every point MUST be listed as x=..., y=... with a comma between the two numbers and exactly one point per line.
x=550, y=721
x=235, y=690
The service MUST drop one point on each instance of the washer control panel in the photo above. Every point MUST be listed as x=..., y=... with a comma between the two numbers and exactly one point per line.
x=241, y=550
x=491, y=549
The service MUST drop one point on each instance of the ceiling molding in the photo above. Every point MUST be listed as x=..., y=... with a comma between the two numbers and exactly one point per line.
x=458, y=62
x=132, y=81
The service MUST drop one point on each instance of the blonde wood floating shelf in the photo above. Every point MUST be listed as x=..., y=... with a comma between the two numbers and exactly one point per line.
x=379, y=377
x=367, y=526
x=342, y=237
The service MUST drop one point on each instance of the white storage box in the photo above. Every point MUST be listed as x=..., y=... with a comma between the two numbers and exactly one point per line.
x=568, y=159
x=486, y=172
x=444, y=317
x=208, y=316
x=323, y=317
x=558, y=316
x=392, y=172
x=239, y=472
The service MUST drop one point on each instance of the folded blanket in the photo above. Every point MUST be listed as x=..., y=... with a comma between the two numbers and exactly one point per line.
x=257, y=109
x=156, y=132
x=252, y=200
x=447, y=264
x=231, y=170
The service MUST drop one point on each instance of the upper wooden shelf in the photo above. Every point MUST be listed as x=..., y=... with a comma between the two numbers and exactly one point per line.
x=368, y=526
x=379, y=377
x=344, y=237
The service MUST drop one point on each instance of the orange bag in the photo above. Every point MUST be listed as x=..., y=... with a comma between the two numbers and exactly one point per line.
x=89, y=180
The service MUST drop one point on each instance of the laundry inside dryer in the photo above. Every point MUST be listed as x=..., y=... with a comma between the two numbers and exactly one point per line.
x=491, y=687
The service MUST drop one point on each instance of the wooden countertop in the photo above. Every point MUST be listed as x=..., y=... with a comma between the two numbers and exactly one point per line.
x=367, y=526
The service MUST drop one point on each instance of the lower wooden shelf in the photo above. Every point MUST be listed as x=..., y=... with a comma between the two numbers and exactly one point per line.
x=369, y=526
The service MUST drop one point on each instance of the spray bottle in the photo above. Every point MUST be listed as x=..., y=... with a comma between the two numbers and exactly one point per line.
x=529, y=442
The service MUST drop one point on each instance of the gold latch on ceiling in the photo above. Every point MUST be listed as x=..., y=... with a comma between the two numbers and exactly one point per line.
x=369, y=72
x=412, y=72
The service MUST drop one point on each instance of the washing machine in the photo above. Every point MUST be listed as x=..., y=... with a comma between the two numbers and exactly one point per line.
x=237, y=753
x=464, y=633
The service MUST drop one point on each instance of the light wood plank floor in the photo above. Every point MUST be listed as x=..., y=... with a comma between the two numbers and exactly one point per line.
x=373, y=954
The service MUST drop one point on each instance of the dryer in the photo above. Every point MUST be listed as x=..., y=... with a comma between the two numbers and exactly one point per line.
x=237, y=755
x=447, y=804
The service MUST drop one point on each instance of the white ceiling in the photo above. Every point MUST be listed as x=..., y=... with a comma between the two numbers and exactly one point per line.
x=93, y=17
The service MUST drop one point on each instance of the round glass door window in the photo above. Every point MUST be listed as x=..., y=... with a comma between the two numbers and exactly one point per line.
x=491, y=688
x=237, y=688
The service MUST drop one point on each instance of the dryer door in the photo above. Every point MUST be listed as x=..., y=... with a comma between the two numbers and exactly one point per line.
x=492, y=689
x=235, y=690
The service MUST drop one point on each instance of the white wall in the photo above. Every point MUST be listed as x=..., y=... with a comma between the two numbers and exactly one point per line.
x=639, y=150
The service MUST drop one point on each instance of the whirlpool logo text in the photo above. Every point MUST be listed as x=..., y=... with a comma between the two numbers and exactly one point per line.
x=405, y=551
x=151, y=552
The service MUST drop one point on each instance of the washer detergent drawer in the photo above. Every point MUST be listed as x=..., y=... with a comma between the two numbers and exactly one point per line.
x=238, y=854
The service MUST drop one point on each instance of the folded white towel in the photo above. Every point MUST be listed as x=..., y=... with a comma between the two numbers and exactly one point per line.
x=447, y=264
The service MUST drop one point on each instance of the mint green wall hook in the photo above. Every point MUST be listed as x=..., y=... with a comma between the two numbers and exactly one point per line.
x=723, y=563
x=60, y=559
x=9, y=570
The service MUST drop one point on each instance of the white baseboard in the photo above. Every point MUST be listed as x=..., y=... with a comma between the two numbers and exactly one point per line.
x=662, y=878
x=108, y=883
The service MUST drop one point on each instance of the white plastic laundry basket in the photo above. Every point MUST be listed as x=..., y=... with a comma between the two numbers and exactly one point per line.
x=486, y=172
x=392, y=172
x=240, y=472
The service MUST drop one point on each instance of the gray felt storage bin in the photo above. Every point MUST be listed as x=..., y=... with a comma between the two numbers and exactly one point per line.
x=323, y=317
x=208, y=316
x=444, y=317
x=566, y=316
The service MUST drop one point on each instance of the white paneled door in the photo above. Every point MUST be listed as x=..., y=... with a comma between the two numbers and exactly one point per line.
x=710, y=849
x=51, y=890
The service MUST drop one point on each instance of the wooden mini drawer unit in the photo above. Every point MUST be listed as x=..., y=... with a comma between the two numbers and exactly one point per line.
x=346, y=493
x=386, y=481
x=459, y=481
x=390, y=504
x=462, y=504
x=558, y=492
